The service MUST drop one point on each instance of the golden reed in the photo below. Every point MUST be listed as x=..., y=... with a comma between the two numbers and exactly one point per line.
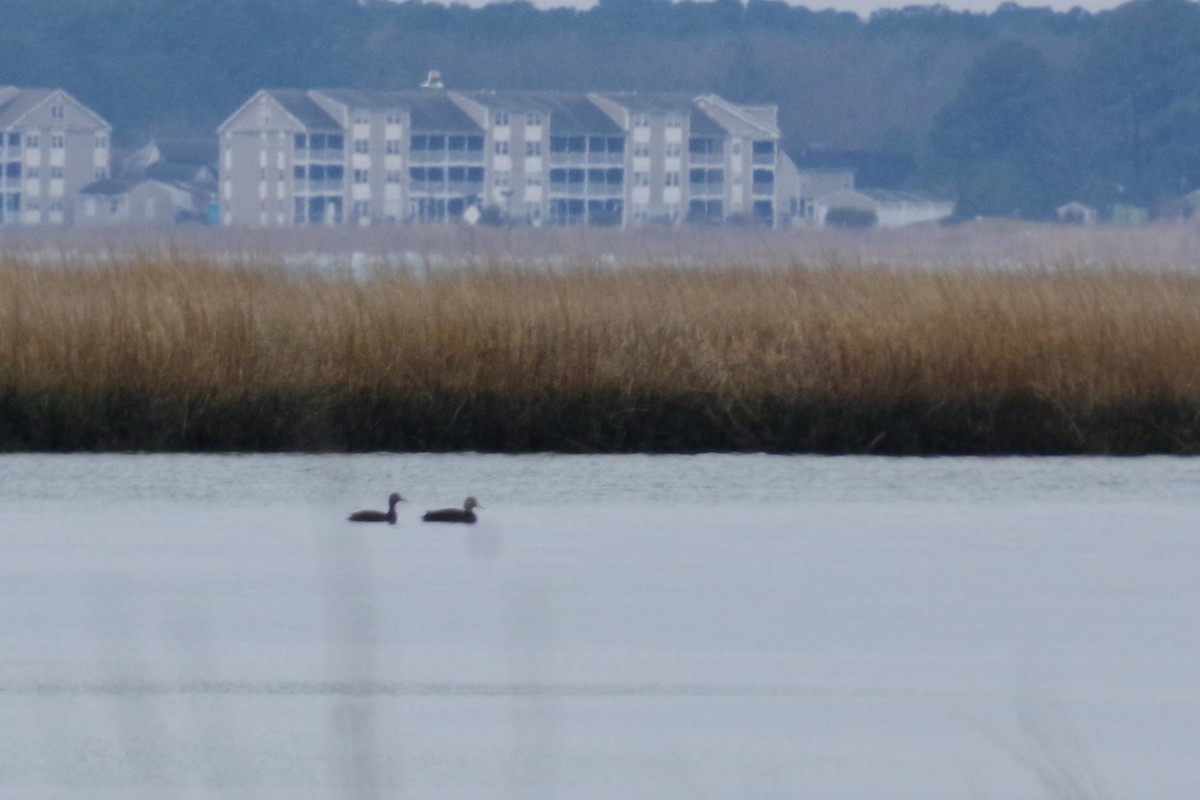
x=757, y=352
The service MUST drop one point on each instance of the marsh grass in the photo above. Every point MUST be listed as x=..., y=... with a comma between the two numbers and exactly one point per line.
x=178, y=352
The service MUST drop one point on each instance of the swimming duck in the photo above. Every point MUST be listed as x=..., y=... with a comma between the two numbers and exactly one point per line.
x=464, y=514
x=388, y=516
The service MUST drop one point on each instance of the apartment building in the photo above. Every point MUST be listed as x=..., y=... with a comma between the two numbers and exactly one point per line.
x=51, y=146
x=296, y=157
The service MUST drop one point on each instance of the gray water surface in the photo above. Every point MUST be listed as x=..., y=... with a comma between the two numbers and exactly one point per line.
x=633, y=626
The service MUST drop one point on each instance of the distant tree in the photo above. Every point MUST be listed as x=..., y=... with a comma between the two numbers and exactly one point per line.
x=1140, y=81
x=1000, y=133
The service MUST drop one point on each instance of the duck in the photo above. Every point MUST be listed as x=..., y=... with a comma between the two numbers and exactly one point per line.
x=388, y=516
x=464, y=514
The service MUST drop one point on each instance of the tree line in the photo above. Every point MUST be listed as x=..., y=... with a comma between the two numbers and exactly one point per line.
x=1012, y=112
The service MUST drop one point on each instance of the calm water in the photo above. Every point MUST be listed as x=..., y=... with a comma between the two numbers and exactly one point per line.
x=633, y=626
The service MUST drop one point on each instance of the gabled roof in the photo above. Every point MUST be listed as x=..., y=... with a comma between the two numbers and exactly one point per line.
x=428, y=110
x=21, y=103
x=651, y=102
x=296, y=103
x=434, y=111
x=568, y=112
x=704, y=125
x=111, y=187
x=366, y=98
x=749, y=122
x=302, y=108
x=16, y=102
x=579, y=115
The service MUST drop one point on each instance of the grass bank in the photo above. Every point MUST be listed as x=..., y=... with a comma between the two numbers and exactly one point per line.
x=178, y=353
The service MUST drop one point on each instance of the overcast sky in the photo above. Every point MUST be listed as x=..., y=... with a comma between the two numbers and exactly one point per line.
x=865, y=7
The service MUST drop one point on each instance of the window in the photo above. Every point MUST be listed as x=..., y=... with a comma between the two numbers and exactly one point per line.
x=299, y=141
x=501, y=148
x=501, y=180
x=641, y=120
x=712, y=178
x=671, y=179
x=394, y=118
x=533, y=180
x=500, y=118
x=394, y=176
x=392, y=147
x=33, y=172
x=674, y=121
x=56, y=172
x=641, y=179
x=674, y=149
x=31, y=140
x=641, y=150
x=533, y=148
x=362, y=176
x=362, y=117
x=362, y=146
x=533, y=118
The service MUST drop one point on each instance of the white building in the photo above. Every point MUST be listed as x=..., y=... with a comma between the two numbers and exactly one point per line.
x=51, y=146
x=295, y=157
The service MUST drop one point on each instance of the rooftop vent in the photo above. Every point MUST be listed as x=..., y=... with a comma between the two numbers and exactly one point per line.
x=433, y=80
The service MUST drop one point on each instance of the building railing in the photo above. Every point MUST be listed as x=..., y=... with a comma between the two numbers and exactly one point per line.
x=449, y=188
x=327, y=154
x=706, y=189
x=706, y=158
x=587, y=190
x=764, y=158
x=445, y=157
x=767, y=189
x=584, y=159
x=310, y=186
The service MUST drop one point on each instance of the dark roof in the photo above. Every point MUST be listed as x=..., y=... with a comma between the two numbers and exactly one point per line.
x=578, y=114
x=701, y=124
x=110, y=187
x=21, y=102
x=297, y=103
x=434, y=111
x=174, y=172
x=652, y=102
x=196, y=152
x=368, y=98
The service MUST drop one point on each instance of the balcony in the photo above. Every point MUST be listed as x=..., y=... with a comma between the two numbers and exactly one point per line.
x=700, y=159
x=706, y=189
x=333, y=155
x=317, y=186
x=446, y=189
x=446, y=157
x=587, y=159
